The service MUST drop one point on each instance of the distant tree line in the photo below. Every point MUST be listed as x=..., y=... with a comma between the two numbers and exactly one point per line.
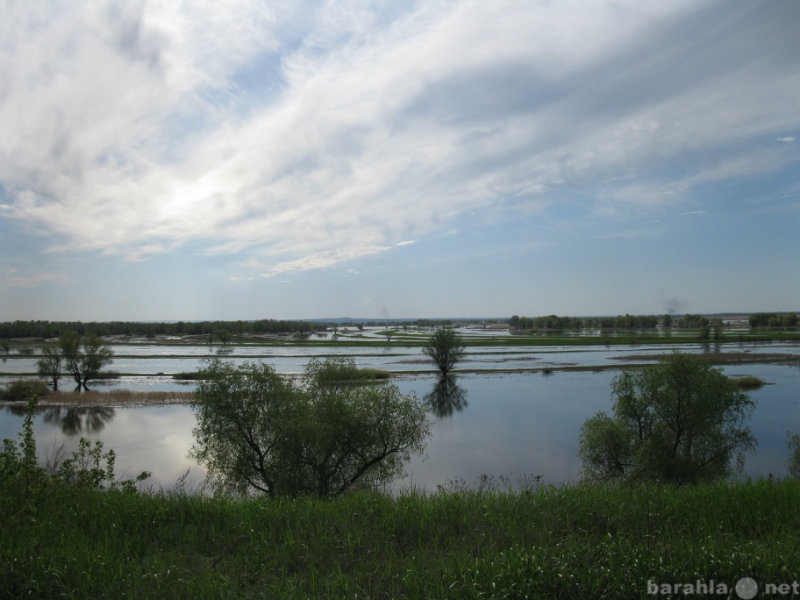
x=556, y=323
x=53, y=329
x=773, y=320
x=633, y=322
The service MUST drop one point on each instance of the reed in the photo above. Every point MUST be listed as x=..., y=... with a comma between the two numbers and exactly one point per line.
x=115, y=398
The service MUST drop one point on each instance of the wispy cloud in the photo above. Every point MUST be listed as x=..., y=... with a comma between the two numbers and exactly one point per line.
x=303, y=136
x=12, y=277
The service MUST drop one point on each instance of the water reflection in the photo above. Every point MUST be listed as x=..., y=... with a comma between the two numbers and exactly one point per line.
x=517, y=424
x=72, y=420
x=446, y=397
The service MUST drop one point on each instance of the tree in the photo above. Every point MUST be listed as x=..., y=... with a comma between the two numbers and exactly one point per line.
x=70, y=344
x=680, y=421
x=84, y=359
x=445, y=348
x=260, y=432
x=49, y=365
x=95, y=356
x=223, y=335
x=353, y=434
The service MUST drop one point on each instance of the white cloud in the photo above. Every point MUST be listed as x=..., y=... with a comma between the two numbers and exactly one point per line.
x=306, y=136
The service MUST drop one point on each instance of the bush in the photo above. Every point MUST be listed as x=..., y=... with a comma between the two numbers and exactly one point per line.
x=25, y=389
x=88, y=467
x=748, y=383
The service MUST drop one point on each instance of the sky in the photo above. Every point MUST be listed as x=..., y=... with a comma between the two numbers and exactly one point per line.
x=235, y=159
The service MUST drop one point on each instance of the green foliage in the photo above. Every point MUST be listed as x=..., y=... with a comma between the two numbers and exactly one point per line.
x=23, y=481
x=49, y=366
x=445, y=348
x=54, y=329
x=223, y=335
x=545, y=542
x=556, y=323
x=332, y=372
x=24, y=389
x=85, y=468
x=679, y=421
x=96, y=355
x=259, y=431
x=19, y=469
x=82, y=358
x=240, y=415
x=748, y=383
x=774, y=320
x=793, y=462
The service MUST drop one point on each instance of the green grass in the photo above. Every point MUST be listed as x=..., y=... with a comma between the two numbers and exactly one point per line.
x=546, y=542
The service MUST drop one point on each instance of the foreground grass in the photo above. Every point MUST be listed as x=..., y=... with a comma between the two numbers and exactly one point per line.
x=570, y=542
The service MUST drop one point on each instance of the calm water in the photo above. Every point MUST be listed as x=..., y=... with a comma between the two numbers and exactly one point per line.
x=509, y=424
x=151, y=366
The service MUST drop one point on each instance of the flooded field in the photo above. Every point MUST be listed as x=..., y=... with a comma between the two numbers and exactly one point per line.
x=516, y=411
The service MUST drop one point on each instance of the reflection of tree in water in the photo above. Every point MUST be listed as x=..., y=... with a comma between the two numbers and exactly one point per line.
x=73, y=420
x=446, y=397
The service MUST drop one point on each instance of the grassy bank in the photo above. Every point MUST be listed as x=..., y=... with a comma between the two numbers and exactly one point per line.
x=572, y=542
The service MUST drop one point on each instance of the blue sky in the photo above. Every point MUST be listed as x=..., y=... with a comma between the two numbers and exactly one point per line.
x=250, y=159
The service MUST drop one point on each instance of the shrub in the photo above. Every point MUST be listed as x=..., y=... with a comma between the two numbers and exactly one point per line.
x=748, y=383
x=25, y=389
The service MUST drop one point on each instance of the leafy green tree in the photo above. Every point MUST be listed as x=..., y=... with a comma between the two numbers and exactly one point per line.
x=241, y=413
x=84, y=359
x=680, y=421
x=223, y=335
x=445, y=349
x=70, y=344
x=96, y=355
x=260, y=432
x=49, y=366
x=352, y=434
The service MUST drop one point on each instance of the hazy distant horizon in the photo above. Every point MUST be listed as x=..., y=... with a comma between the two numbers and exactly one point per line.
x=399, y=319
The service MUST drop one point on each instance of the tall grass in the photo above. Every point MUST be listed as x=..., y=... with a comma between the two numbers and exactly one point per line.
x=548, y=542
